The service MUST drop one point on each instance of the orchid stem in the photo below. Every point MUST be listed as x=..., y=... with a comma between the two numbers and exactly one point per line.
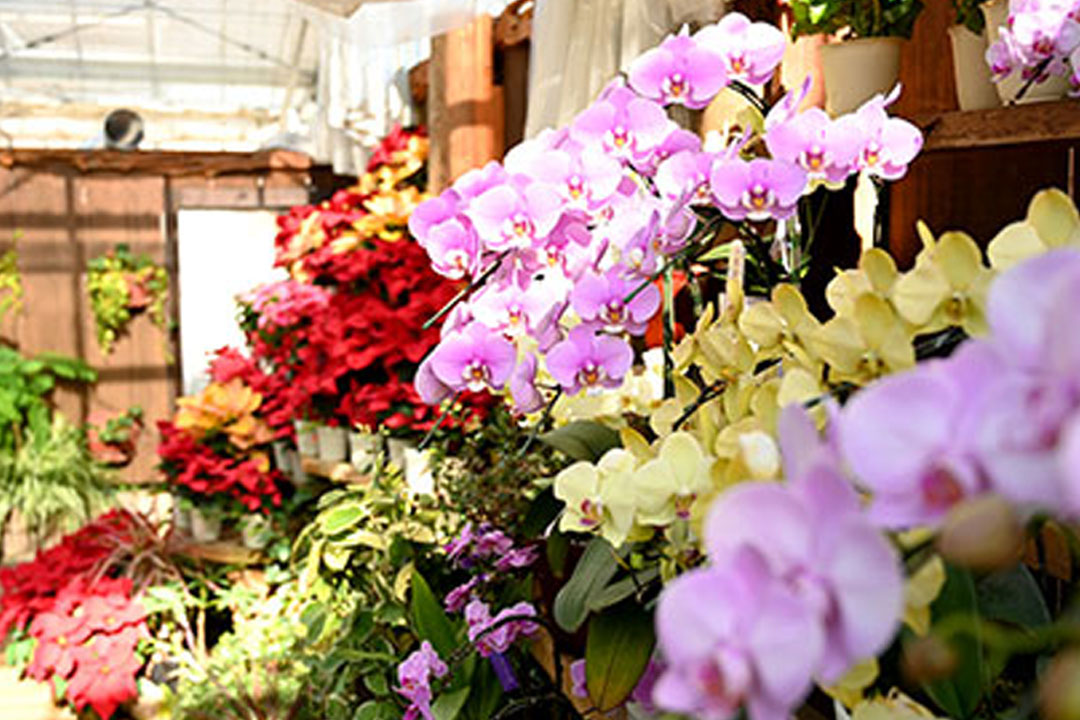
x=708, y=393
x=465, y=292
x=442, y=416
x=543, y=420
x=749, y=95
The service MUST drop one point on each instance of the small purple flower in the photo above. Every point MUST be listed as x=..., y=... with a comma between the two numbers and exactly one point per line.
x=679, y=72
x=588, y=360
x=598, y=300
x=457, y=548
x=516, y=558
x=757, y=190
x=453, y=248
x=475, y=358
x=624, y=125
x=491, y=635
x=493, y=542
x=890, y=144
x=526, y=396
x=826, y=149
x=414, y=679
x=578, y=680
x=751, y=51
x=457, y=598
x=515, y=215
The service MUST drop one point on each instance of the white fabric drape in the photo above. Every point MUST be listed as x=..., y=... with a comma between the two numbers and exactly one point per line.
x=578, y=46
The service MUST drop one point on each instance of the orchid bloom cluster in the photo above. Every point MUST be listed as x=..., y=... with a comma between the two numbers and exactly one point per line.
x=1041, y=39
x=486, y=553
x=562, y=240
x=414, y=680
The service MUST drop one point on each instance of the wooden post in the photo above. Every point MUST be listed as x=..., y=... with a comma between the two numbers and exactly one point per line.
x=465, y=115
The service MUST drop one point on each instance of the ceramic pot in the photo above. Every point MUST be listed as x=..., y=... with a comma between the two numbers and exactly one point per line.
x=255, y=531
x=974, y=88
x=363, y=449
x=418, y=476
x=396, y=450
x=996, y=14
x=307, y=439
x=333, y=443
x=856, y=70
x=205, y=528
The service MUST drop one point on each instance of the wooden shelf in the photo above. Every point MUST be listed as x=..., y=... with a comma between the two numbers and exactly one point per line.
x=157, y=162
x=221, y=551
x=1014, y=125
x=338, y=472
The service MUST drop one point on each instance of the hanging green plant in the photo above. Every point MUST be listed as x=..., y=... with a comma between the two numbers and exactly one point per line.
x=121, y=286
x=11, y=286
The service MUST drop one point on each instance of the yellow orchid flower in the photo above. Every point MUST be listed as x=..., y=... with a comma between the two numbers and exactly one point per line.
x=850, y=688
x=746, y=452
x=921, y=590
x=873, y=342
x=895, y=706
x=598, y=497
x=876, y=273
x=947, y=287
x=666, y=487
x=780, y=326
x=1052, y=221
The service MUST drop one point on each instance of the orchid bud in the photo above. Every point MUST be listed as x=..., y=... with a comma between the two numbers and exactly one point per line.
x=982, y=534
x=1059, y=691
x=927, y=659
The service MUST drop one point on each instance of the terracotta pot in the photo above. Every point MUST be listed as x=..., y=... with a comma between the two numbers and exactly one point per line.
x=974, y=87
x=856, y=70
x=138, y=294
x=996, y=14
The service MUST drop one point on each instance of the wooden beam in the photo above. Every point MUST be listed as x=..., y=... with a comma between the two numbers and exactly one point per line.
x=465, y=114
x=1015, y=125
x=165, y=163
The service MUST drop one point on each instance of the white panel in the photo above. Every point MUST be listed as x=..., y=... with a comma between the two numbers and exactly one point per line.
x=222, y=253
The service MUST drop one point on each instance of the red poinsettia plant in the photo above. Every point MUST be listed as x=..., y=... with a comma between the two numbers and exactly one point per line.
x=345, y=333
x=217, y=444
x=85, y=622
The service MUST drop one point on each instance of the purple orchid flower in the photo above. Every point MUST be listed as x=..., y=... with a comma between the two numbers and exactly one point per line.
x=890, y=144
x=677, y=141
x=512, y=310
x=726, y=635
x=515, y=215
x=491, y=635
x=826, y=149
x=598, y=301
x=457, y=598
x=517, y=558
x=432, y=213
x=457, y=548
x=474, y=358
x=686, y=175
x=431, y=390
x=527, y=398
x=587, y=360
x=478, y=181
x=493, y=542
x=414, y=679
x=679, y=72
x=585, y=177
x=751, y=51
x=626, y=126
x=757, y=190
x=453, y=248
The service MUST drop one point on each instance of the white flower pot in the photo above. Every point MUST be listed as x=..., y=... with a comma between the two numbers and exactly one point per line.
x=307, y=439
x=204, y=528
x=974, y=88
x=996, y=14
x=296, y=472
x=396, y=450
x=281, y=456
x=856, y=70
x=255, y=531
x=333, y=443
x=363, y=449
x=418, y=476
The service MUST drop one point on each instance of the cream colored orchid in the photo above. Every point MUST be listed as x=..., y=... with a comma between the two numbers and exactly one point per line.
x=780, y=326
x=923, y=588
x=947, y=287
x=599, y=498
x=667, y=487
x=875, y=274
x=1052, y=221
x=872, y=342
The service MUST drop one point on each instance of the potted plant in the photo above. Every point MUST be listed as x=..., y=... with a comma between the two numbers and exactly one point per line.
x=333, y=442
x=112, y=440
x=122, y=285
x=1033, y=65
x=866, y=61
x=974, y=87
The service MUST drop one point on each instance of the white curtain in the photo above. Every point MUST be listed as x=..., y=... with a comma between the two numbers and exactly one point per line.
x=578, y=46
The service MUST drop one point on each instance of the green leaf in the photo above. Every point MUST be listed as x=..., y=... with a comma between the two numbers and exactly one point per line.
x=448, y=705
x=486, y=695
x=342, y=518
x=430, y=619
x=959, y=695
x=593, y=572
x=1012, y=596
x=618, y=591
x=582, y=440
x=617, y=652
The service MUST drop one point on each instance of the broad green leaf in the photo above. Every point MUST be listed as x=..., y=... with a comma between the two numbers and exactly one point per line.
x=430, y=619
x=618, y=591
x=582, y=440
x=617, y=652
x=342, y=518
x=1012, y=596
x=959, y=695
x=448, y=705
x=593, y=572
